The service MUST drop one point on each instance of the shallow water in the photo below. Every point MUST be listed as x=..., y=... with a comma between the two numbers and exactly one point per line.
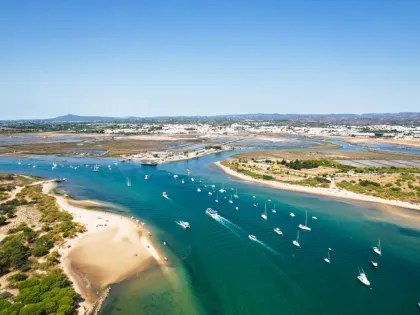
x=216, y=269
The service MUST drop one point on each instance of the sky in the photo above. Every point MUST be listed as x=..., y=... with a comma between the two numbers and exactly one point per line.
x=153, y=58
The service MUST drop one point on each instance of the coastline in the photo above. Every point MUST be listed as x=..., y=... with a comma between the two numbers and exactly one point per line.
x=113, y=248
x=330, y=192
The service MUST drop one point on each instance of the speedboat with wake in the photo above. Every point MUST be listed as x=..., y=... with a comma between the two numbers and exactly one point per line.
x=211, y=212
x=252, y=237
x=184, y=224
x=164, y=194
x=362, y=278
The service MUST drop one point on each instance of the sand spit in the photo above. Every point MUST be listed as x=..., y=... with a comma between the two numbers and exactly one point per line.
x=330, y=192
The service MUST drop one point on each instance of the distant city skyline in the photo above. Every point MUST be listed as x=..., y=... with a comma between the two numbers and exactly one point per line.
x=184, y=58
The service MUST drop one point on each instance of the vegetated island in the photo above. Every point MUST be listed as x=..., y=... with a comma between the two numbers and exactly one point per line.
x=325, y=173
x=57, y=257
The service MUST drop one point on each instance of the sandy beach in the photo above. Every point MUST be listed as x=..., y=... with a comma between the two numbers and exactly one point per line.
x=113, y=249
x=331, y=192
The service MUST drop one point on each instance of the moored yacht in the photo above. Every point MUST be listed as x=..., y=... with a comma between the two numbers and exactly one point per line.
x=274, y=209
x=236, y=194
x=278, y=231
x=305, y=226
x=211, y=212
x=378, y=248
x=264, y=215
x=362, y=278
x=210, y=193
x=230, y=201
x=296, y=242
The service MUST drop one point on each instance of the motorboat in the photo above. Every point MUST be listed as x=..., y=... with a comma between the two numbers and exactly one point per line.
x=236, y=208
x=292, y=215
x=185, y=224
x=164, y=194
x=230, y=201
x=362, y=278
x=96, y=168
x=296, y=242
x=252, y=237
x=210, y=193
x=182, y=182
x=192, y=179
x=377, y=249
x=146, y=177
x=314, y=218
x=198, y=190
x=211, y=212
x=305, y=226
x=175, y=176
x=374, y=263
x=236, y=195
x=278, y=231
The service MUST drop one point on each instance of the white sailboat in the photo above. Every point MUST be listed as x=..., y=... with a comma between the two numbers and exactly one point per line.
x=264, y=215
x=305, y=227
x=236, y=194
x=274, y=209
x=328, y=260
x=362, y=277
x=217, y=197
x=231, y=201
x=378, y=248
x=222, y=190
x=96, y=168
x=296, y=242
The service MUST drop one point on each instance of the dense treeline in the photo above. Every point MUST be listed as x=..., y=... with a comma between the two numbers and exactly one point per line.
x=48, y=292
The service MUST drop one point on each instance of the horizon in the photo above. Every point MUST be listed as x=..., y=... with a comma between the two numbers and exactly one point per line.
x=151, y=59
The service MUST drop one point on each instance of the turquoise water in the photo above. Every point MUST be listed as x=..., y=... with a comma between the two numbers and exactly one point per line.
x=214, y=267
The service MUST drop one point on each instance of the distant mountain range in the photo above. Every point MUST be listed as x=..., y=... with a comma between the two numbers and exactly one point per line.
x=369, y=118
x=386, y=117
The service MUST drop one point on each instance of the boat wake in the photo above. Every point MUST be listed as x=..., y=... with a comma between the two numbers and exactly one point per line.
x=267, y=247
x=235, y=229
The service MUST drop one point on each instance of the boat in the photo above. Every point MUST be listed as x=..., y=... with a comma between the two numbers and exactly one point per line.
x=277, y=230
x=19, y=163
x=252, y=237
x=230, y=201
x=96, y=168
x=198, y=190
x=175, y=176
x=222, y=190
x=292, y=214
x=213, y=186
x=188, y=172
x=374, y=263
x=253, y=197
x=185, y=224
x=146, y=177
x=314, y=218
x=211, y=212
x=182, y=181
x=210, y=193
x=328, y=260
x=217, y=197
x=236, y=208
x=145, y=163
x=164, y=194
x=264, y=215
x=236, y=194
x=128, y=183
x=192, y=179
x=255, y=205
x=378, y=249
x=274, y=209
x=362, y=277
x=305, y=227
x=296, y=242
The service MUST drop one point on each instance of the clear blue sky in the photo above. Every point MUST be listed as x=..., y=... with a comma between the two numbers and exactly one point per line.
x=148, y=58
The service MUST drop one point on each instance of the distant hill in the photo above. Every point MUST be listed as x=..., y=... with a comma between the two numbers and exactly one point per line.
x=403, y=118
x=75, y=118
